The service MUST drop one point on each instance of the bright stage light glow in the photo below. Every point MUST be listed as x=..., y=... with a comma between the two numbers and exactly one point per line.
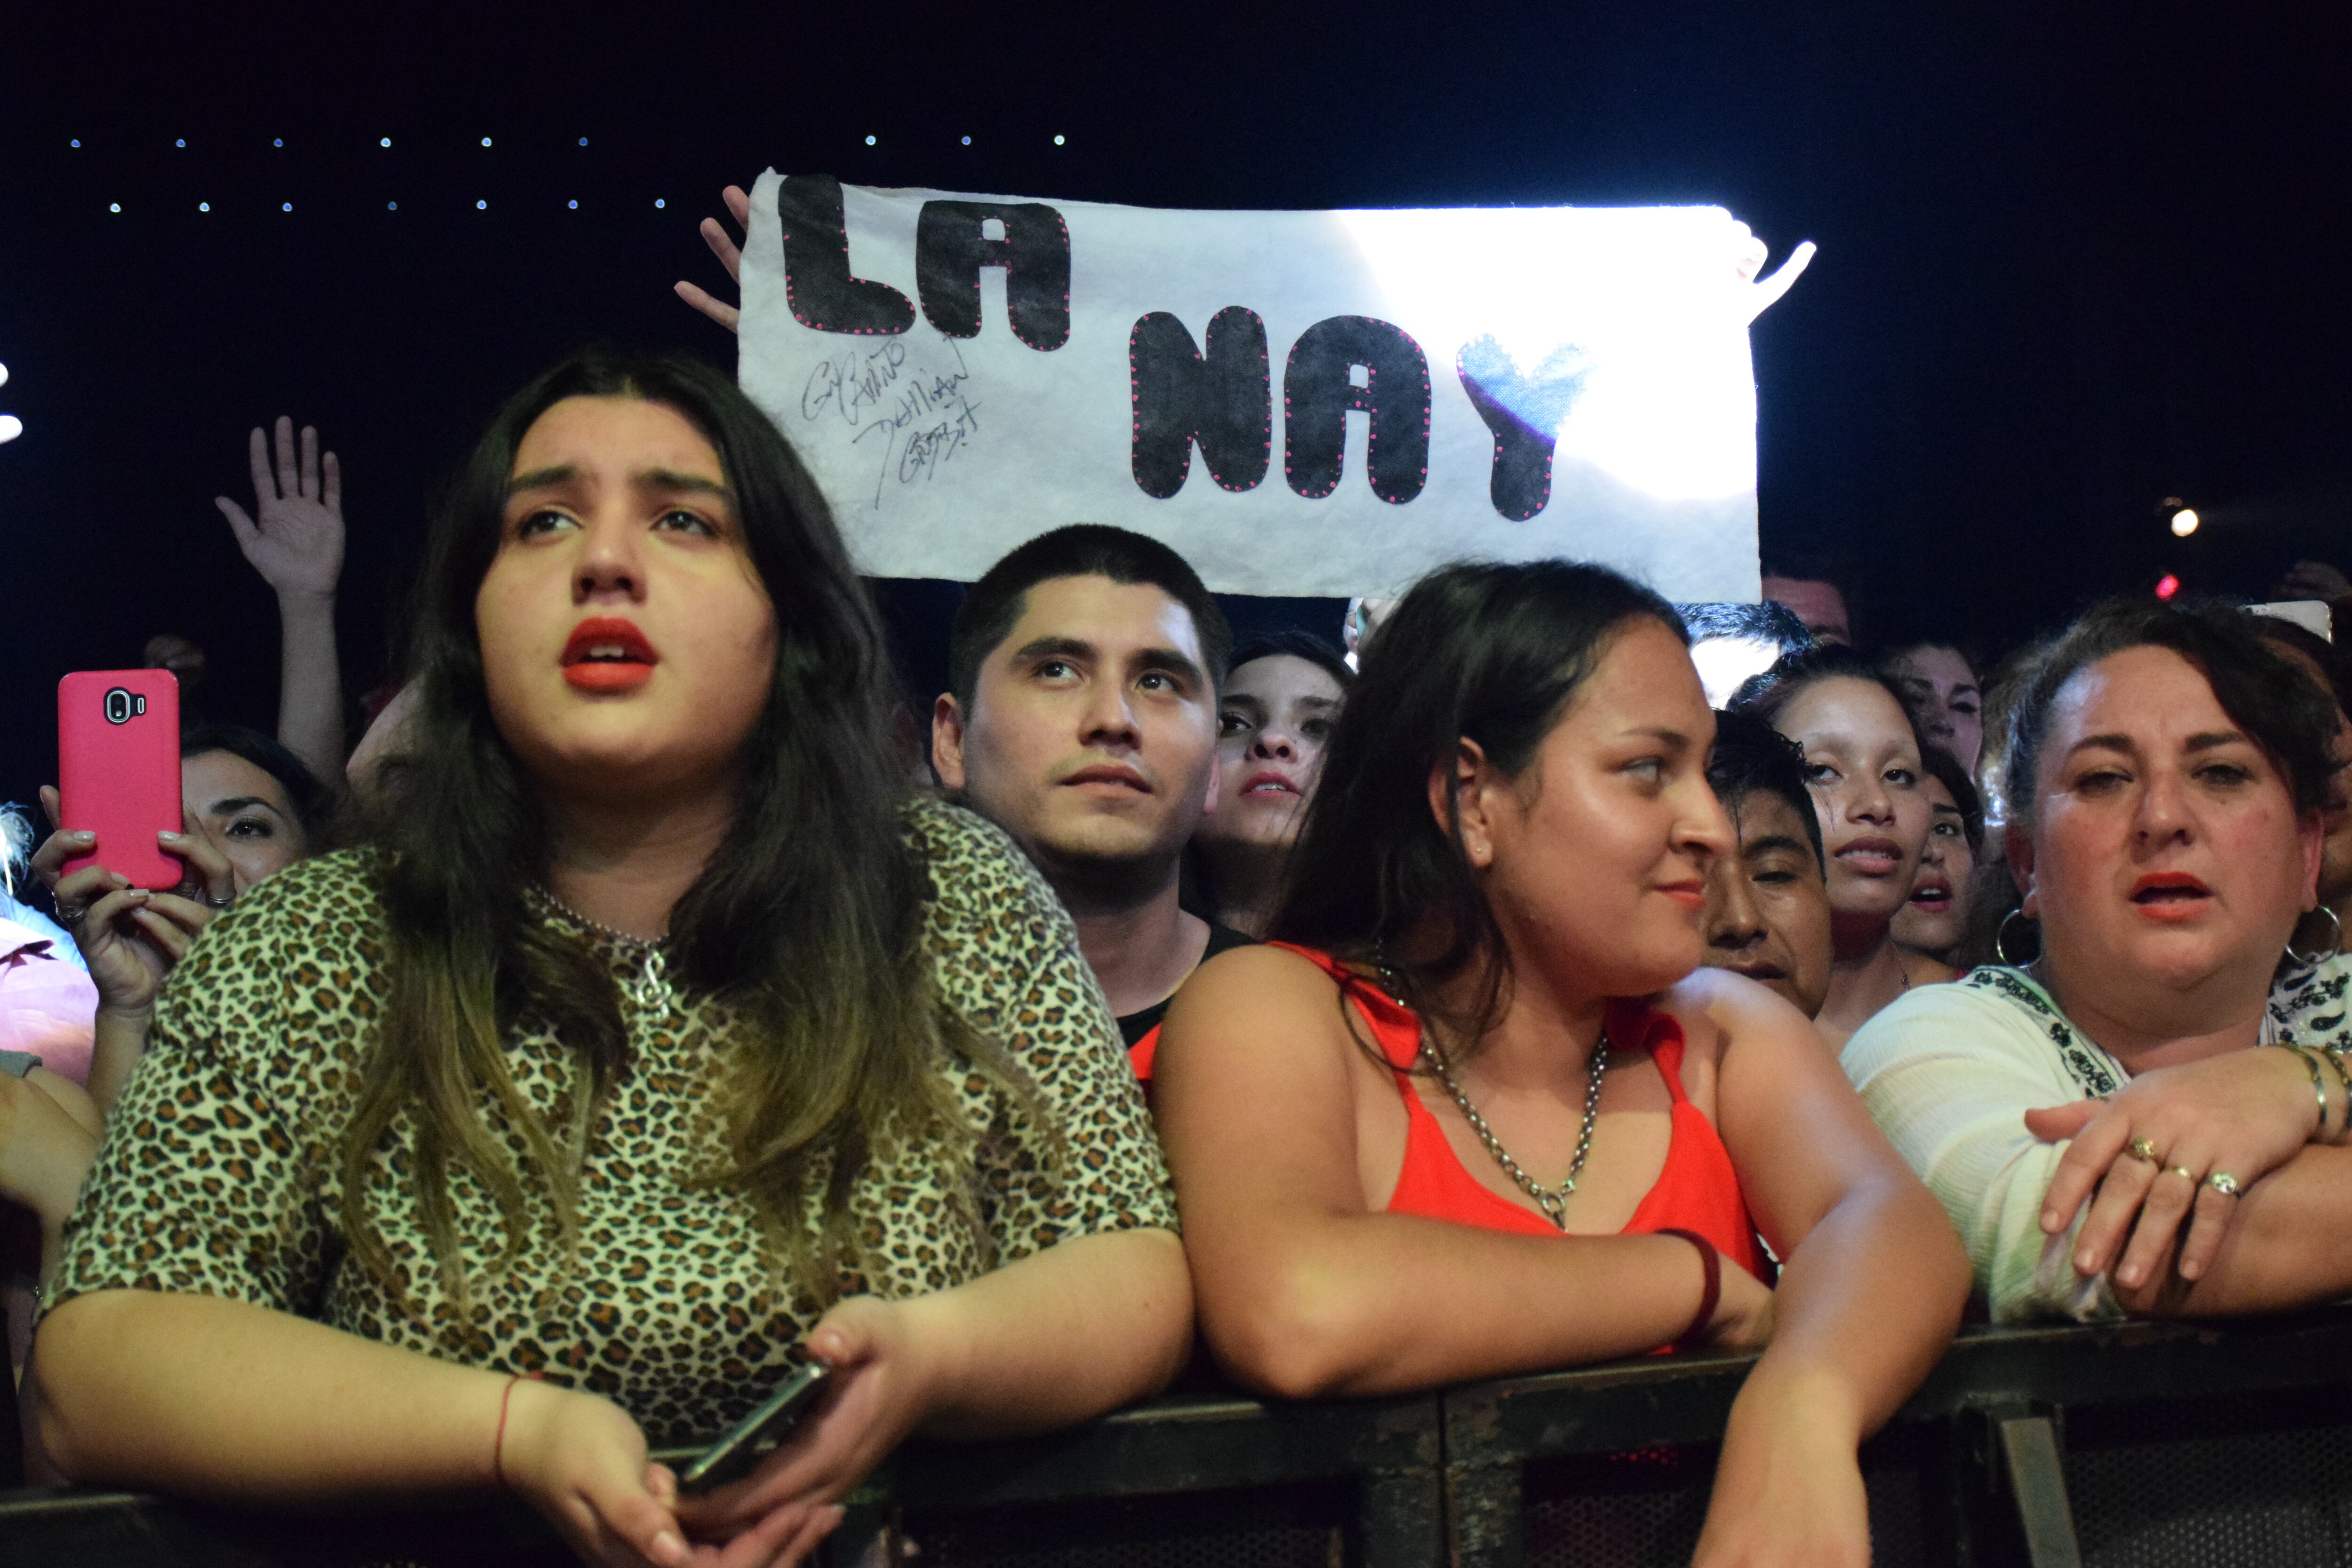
x=659, y=202
x=869, y=142
x=114, y=206
x=392, y=206
x=2166, y=585
x=572, y=203
x=481, y=206
x=383, y=140
x=967, y=140
x=583, y=141
x=180, y=141
x=204, y=206
x=2185, y=521
x=278, y=141
x=10, y=428
x=486, y=141
x=4, y=375
x=1058, y=142
x=75, y=142
x=286, y=206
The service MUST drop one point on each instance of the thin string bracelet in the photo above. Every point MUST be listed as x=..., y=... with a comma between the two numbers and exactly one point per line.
x=499, y=1442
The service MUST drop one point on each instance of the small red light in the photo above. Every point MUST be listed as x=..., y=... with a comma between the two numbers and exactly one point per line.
x=2166, y=585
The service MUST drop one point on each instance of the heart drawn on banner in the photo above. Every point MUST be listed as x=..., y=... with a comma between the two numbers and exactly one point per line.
x=1525, y=412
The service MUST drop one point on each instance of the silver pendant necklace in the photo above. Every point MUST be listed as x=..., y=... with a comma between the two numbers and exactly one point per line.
x=1553, y=1200
x=651, y=991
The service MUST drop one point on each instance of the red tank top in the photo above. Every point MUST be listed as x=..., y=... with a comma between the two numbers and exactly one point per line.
x=1697, y=1191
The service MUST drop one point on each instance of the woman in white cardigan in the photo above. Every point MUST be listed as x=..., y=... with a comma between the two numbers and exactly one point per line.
x=2098, y=1121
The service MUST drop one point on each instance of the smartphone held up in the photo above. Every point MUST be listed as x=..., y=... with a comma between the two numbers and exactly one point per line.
x=118, y=770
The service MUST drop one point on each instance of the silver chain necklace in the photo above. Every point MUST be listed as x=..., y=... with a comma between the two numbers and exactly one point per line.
x=651, y=990
x=1552, y=1201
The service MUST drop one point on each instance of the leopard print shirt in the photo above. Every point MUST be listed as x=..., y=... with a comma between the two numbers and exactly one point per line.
x=220, y=1173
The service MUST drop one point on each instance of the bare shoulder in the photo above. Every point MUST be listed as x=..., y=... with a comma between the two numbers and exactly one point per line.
x=1718, y=1009
x=1241, y=983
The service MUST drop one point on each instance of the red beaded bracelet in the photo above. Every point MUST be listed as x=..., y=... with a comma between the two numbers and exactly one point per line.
x=1695, y=1336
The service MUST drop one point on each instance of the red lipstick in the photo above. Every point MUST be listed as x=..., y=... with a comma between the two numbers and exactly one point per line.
x=608, y=654
x=1690, y=895
x=2169, y=895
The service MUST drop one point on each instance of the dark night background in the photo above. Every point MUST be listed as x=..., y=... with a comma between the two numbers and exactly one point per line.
x=2073, y=260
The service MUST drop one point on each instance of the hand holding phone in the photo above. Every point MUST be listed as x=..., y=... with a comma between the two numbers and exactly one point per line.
x=733, y=1455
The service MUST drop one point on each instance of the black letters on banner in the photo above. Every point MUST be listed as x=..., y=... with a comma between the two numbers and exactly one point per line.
x=950, y=250
x=1224, y=399
x=1317, y=393
x=817, y=284
x=1524, y=412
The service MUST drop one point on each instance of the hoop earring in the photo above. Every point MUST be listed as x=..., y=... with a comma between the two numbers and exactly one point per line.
x=2000, y=940
x=2334, y=943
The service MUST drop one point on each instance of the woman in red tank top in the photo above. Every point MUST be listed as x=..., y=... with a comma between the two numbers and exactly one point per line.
x=1476, y=1110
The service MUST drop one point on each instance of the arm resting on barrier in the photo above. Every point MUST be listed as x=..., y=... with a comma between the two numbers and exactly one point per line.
x=229, y=1402
x=1303, y=1293
x=1868, y=1298
x=1067, y=1332
x=2289, y=1246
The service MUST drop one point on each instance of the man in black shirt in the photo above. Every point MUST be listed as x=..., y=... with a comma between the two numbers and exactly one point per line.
x=1082, y=718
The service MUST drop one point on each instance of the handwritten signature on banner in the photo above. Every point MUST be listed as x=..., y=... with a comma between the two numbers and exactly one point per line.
x=923, y=415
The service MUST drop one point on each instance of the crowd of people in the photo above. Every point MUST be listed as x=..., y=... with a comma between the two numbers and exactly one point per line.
x=645, y=1007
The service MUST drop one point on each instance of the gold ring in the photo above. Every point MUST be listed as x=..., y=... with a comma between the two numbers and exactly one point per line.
x=2223, y=1182
x=2184, y=1171
x=2144, y=1149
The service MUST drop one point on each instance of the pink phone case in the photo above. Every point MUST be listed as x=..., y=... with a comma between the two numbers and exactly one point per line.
x=118, y=770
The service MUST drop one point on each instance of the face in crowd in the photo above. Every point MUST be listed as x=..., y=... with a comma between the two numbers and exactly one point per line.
x=1597, y=866
x=1092, y=738
x=2164, y=855
x=1818, y=604
x=242, y=811
x=1273, y=720
x=627, y=642
x=1768, y=908
x=1941, y=689
x=2335, y=822
x=1932, y=922
x=1861, y=764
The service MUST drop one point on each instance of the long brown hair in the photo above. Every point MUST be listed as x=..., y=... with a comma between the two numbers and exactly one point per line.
x=1482, y=652
x=805, y=922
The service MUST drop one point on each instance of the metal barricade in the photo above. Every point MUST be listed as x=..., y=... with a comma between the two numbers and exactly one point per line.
x=2137, y=1446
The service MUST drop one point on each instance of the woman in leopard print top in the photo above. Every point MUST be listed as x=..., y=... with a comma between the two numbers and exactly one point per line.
x=633, y=1133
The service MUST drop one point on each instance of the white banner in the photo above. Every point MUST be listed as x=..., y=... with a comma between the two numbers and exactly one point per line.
x=1301, y=403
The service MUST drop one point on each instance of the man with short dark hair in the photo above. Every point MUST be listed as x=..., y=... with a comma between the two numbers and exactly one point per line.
x=1082, y=718
x=1814, y=588
x=1732, y=641
x=1767, y=904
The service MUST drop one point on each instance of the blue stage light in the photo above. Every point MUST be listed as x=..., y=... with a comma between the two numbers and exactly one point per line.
x=286, y=206
x=481, y=206
x=660, y=202
x=180, y=141
x=114, y=206
x=204, y=206
x=383, y=141
x=869, y=142
x=572, y=203
x=486, y=141
x=1058, y=142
